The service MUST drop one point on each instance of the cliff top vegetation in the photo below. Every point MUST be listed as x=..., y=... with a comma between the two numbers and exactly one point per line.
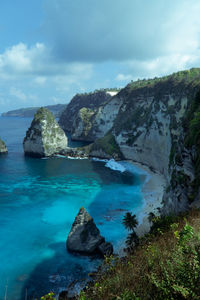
x=187, y=77
x=166, y=264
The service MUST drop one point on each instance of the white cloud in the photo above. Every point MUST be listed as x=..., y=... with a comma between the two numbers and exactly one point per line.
x=40, y=80
x=123, y=77
x=159, y=66
x=38, y=62
x=18, y=94
x=106, y=45
x=34, y=74
x=21, y=60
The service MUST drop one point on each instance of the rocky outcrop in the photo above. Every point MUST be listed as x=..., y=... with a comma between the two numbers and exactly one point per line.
x=90, y=125
x=146, y=123
x=44, y=137
x=78, y=117
x=85, y=237
x=3, y=148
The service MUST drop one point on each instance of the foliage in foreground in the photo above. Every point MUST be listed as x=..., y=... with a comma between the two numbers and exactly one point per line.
x=130, y=222
x=166, y=265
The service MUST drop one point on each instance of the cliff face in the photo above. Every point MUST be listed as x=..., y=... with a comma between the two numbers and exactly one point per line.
x=145, y=122
x=44, y=137
x=80, y=114
x=3, y=148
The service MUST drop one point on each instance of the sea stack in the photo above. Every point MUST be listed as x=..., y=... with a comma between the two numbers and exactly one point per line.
x=85, y=237
x=3, y=148
x=44, y=137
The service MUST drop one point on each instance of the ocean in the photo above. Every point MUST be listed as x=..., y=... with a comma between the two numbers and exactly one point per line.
x=39, y=199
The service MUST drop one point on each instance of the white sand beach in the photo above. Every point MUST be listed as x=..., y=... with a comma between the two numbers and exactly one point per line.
x=153, y=190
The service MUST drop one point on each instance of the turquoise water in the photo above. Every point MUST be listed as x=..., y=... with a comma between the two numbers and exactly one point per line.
x=39, y=199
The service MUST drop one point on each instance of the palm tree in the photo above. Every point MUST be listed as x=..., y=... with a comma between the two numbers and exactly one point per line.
x=132, y=240
x=130, y=221
x=151, y=216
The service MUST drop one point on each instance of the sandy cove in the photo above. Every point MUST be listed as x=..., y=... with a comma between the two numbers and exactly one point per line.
x=152, y=190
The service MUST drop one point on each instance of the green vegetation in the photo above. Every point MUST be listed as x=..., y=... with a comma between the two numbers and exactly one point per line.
x=86, y=115
x=49, y=296
x=130, y=222
x=186, y=77
x=108, y=145
x=115, y=89
x=192, y=139
x=44, y=114
x=172, y=153
x=166, y=264
x=2, y=145
x=134, y=118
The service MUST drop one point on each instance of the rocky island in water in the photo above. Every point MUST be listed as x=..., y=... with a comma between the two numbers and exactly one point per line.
x=44, y=137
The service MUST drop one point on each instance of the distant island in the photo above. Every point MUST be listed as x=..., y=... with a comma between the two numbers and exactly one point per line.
x=30, y=111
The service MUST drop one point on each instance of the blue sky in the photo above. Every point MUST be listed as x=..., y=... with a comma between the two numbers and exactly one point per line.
x=52, y=49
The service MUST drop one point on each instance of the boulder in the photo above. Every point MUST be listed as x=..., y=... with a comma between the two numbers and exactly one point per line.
x=44, y=137
x=85, y=237
x=106, y=249
x=3, y=148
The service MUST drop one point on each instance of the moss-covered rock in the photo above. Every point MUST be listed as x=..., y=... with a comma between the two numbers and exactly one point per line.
x=44, y=137
x=83, y=124
x=106, y=147
x=88, y=100
x=3, y=148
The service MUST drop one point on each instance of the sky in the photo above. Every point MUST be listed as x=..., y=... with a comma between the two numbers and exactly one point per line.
x=52, y=49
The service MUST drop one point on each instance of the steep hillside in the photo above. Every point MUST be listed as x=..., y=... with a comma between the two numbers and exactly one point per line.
x=166, y=265
x=148, y=122
x=80, y=114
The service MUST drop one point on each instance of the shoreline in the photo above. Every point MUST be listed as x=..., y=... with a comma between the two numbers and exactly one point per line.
x=153, y=191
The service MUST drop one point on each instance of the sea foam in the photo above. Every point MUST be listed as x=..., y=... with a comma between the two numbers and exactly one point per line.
x=116, y=166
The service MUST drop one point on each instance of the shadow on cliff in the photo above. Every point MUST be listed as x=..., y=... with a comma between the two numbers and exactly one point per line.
x=60, y=271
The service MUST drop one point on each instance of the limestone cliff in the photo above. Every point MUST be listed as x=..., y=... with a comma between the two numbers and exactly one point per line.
x=145, y=122
x=44, y=137
x=3, y=148
x=81, y=114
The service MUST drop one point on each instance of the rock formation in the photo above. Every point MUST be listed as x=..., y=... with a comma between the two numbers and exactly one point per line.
x=85, y=237
x=44, y=137
x=3, y=148
x=79, y=115
x=148, y=122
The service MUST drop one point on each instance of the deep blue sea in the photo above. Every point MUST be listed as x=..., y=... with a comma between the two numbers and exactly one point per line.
x=39, y=199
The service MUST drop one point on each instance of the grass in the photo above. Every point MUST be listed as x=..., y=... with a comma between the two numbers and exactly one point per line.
x=166, y=265
x=186, y=77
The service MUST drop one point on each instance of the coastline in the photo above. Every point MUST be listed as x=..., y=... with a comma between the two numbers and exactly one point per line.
x=153, y=185
x=152, y=190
